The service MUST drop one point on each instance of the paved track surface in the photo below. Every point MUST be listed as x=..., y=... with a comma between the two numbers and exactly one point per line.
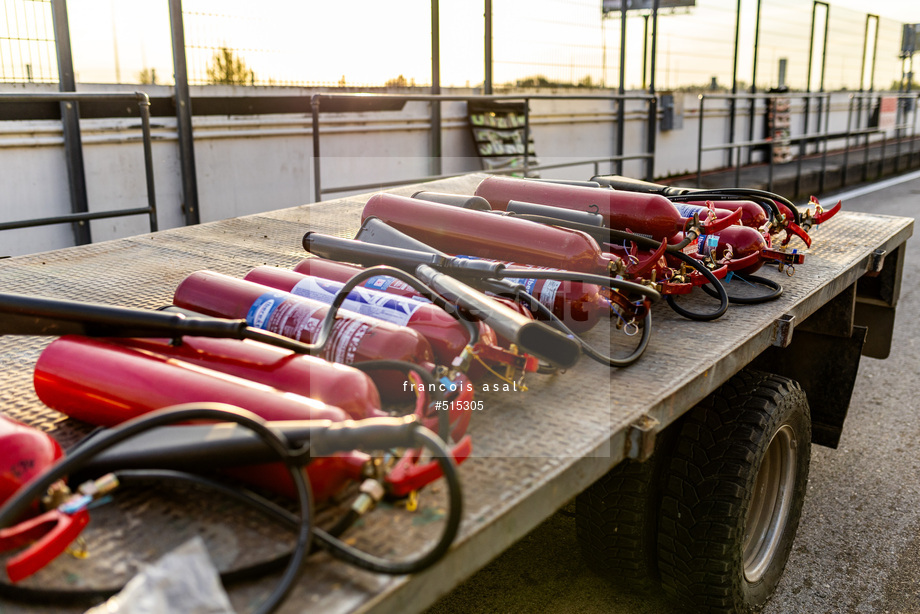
x=858, y=544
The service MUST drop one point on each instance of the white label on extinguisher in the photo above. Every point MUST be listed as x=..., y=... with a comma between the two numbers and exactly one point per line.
x=344, y=341
x=548, y=293
x=380, y=305
x=261, y=311
x=686, y=210
x=382, y=282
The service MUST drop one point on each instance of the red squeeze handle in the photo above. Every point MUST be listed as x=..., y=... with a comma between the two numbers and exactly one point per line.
x=52, y=532
x=407, y=475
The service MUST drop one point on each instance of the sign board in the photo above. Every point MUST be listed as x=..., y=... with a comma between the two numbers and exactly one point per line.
x=632, y=5
x=910, y=33
x=888, y=113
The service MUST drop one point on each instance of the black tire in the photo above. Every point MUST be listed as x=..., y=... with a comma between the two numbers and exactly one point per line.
x=733, y=494
x=616, y=520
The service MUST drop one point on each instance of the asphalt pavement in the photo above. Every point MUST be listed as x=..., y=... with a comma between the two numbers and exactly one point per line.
x=858, y=545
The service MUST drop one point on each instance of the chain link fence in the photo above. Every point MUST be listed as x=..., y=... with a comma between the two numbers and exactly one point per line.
x=27, y=51
x=535, y=44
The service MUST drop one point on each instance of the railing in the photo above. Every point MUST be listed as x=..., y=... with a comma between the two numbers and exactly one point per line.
x=143, y=104
x=619, y=158
x=907, y=104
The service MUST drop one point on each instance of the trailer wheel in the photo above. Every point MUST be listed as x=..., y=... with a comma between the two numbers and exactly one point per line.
x=616, y=520
x=733, y=494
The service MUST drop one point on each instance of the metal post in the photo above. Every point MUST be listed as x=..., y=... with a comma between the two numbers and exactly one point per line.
x=644, y=49
x=846, y=146
x=811, y=54
x=143, y=103
x=526, y=135
x=317, y=187
x=487, y=83
x=821, y=178
x=184, y=116
x=733, y=101
x=621, y=90
x=651, y=140
x=753, y=109
x=435, y=89
x=699, y=148
x=70, y=123
x=827, y=25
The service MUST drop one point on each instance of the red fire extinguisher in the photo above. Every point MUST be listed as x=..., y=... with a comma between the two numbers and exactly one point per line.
x=482, y=234
x=347, y=388
x=443, y=332
x=648, y=214
x=105, y=384
x=342, y=271
x=26, y=452
x=752, y=214
x=354, y=338
x=744, y=250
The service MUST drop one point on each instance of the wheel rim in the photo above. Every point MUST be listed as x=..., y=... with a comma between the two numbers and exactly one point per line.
x=770, y=504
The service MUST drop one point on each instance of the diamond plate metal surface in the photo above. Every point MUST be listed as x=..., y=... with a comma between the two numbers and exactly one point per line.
x=533, y=450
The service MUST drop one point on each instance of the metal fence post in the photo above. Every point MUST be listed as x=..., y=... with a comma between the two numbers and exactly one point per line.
x=70, y=120
x=184, y=116
x=435, y=167
x=651, y=141
x=487, y=36
x=317, y=186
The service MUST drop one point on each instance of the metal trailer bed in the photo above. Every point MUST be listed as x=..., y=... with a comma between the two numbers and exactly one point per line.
x=533, y=451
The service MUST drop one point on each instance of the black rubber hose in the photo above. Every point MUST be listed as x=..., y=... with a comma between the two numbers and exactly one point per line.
x=768, y=205
x=293, y=460
x=717, y=290
x=776, y=287
x=590, y=351
x=754, y=192
x=428, y=379
x=364, y=560
x=324, y=330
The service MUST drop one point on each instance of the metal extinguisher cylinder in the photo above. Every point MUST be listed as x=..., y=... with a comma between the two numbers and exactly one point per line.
x=752, y=214
x=649, y=214
x=343, y=386
x=342, y=272
x=485, y=235
x=532, y=337
x=354, y=338
x=26, y=452
x=744, y=242
x=443, y=332
x=579, y=305
x=105, y=384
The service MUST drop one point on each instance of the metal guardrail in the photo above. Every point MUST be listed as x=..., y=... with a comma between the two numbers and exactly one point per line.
x=620, y=99
x=143, y=103
x=820, y=138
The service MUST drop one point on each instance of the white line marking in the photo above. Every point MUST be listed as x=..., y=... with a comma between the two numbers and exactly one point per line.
x=868, y=189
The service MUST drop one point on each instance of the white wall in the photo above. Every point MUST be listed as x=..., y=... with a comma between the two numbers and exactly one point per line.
x=252, y=164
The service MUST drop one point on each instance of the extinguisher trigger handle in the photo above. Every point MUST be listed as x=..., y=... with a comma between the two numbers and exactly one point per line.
x=793, y=229
x=719, y=225
x=53, y=532
x=408, y=476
